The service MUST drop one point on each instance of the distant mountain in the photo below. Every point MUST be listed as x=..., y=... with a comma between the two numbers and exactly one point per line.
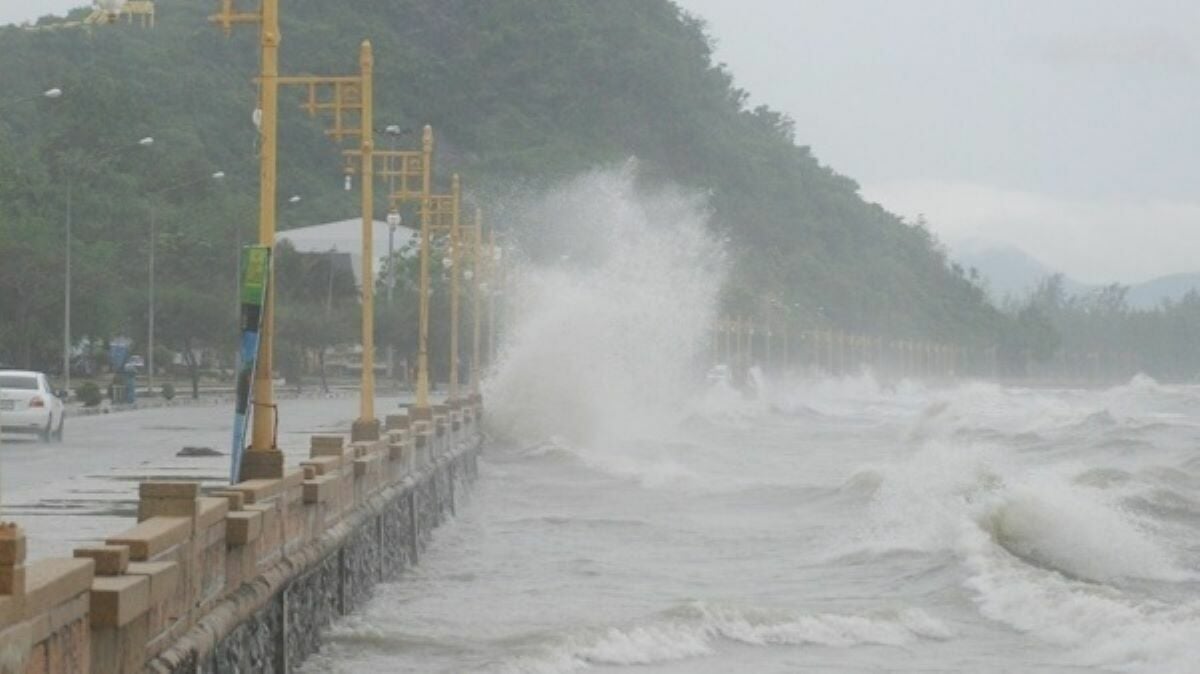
x=1154, y=292
x=1008, y=270
x=1011, y=272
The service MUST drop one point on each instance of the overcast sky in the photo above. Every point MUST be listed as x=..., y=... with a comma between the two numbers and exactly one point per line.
x=20, y=11
x=1068, y=128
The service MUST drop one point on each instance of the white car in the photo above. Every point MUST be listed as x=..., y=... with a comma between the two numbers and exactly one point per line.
x=29, y=405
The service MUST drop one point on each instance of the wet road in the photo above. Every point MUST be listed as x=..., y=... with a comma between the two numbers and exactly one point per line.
x=85, y=489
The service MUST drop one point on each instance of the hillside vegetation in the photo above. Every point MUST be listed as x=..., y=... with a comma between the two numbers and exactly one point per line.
x=522, y=92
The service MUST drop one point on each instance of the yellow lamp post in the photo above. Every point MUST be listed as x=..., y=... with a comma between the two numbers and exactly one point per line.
x=749, y=346
x=344, y=98
x=444, y=217
x=492, y=280
x=476, y=301
x=743, y=336
x=410, y=178
x=455, y=295
x=787, y=350
x=730, y=348
x=263, y=429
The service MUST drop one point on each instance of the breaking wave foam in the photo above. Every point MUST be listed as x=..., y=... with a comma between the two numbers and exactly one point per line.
x=695, y=630
x=1049, y=549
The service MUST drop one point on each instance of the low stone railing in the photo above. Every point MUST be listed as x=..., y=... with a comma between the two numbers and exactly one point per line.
x=244, y=577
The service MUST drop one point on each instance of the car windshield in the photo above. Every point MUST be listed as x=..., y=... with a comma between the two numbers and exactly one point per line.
x=20, y=382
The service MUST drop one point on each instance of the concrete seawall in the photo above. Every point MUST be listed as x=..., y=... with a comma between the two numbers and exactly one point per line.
x=242, y=578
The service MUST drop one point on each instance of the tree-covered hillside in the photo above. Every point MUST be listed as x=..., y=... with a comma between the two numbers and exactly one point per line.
x=520, y=91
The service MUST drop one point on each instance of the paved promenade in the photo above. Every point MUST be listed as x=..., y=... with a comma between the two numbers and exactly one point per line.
x=86, y=488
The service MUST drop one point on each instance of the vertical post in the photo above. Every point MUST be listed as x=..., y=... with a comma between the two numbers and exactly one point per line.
x=263, y=430
x=786, y=351
x=713, y=345
x=367, y=427
x=730, y=345
x=422, y=402
x=150, y=299
x=476, y=278
x=737, y=349
x=743, y=335
x=721, y=342
x=455, y=274
x=67, y=295
x=749, y=345
x=237, y=268
x=391, y=287
x=492, y=288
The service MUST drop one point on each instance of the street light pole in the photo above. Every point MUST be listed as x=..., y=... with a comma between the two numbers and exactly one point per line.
x=476, y=279
x=367, y=427
x=67, y=293
x=422, y=401
x=455, y=274
x=494, y=288
x=262, y=436
x=266, y=117
x=144, y=142
x=219, y=175
x=393, y=221
x=150, y=318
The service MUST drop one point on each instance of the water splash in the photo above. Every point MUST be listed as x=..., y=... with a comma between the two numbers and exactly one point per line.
x=602, y=346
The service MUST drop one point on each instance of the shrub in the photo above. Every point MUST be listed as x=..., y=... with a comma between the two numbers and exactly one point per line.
x=168, y=391
x=89, y=394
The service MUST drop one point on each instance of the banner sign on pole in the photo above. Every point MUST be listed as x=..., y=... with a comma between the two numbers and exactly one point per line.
x=256, y=271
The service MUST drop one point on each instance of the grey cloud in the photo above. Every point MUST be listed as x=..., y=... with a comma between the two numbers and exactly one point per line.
x=1157, y=50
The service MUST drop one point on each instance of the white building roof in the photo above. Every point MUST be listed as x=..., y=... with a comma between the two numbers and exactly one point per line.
x=345, y=236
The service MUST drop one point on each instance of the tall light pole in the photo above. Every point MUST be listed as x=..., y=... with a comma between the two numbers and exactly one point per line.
x=262, y=437
x=476, y=278
x=144, y=142
x=455, y=274
x=393, y=221
x=410, y=179
x=422, y=409
x=219, y=175
x=496, y=258
x=368, y=425
x=350, y=94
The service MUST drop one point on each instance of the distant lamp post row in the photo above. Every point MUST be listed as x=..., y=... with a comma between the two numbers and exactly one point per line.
x=348, y=102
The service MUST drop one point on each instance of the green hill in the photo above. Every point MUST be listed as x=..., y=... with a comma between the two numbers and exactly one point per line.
x=520, y=91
